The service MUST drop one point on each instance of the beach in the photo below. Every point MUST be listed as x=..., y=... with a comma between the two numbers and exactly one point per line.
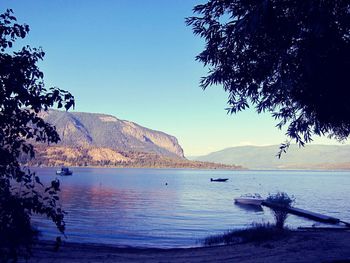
x=299, y=246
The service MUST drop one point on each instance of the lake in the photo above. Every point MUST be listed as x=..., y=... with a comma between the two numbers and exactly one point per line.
x=179, y=207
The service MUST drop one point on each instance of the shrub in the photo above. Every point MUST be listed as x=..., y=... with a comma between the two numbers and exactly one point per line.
x=256, y=233
x=281, y=201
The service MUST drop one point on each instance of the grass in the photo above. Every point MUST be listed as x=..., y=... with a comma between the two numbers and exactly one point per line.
x=256, y=233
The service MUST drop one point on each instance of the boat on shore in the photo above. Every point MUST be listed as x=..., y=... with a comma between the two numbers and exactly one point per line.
x=250, y=199
x=218, y=180
x=64, y=171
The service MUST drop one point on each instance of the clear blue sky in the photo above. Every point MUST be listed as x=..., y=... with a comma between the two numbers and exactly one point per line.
x=135, y=60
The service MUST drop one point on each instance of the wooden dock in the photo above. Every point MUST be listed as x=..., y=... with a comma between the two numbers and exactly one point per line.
x=324, y=228
x=305, y=213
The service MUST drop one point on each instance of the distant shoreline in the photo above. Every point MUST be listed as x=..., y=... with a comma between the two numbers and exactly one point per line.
x=300, y=246
x=56, y=156
x=143, y=167
x=202, y=168
x=136, y=167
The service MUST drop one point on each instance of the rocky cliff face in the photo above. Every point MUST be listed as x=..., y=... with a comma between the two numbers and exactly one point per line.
x=90, y=130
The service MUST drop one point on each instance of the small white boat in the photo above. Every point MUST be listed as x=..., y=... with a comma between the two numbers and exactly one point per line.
x=64, y=171
x=249, y=199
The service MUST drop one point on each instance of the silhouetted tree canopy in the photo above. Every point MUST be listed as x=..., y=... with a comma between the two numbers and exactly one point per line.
x=287, y=57
x=22, y=97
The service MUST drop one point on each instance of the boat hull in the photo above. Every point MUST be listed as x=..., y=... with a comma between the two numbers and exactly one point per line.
x=218, y=180
x=249, y=201
x=64, y=174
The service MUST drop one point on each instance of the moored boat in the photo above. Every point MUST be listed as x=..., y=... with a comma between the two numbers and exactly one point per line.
x=218, y=180
x=250, y=208
x=250, y=199
x=64, y=171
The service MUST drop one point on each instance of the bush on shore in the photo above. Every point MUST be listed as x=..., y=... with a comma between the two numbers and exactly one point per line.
x=282, y=201
x=256, y=233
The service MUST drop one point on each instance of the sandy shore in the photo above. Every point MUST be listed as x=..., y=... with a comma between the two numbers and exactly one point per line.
x=325, y=246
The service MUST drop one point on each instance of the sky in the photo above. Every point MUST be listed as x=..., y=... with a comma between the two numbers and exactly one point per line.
x=136, y=60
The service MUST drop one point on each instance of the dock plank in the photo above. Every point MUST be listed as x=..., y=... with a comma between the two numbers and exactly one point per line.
x=304, y=213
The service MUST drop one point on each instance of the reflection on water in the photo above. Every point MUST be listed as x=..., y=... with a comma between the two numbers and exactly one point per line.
x=176, y=208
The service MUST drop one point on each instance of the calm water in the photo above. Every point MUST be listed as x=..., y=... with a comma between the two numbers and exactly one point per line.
x=135, y=207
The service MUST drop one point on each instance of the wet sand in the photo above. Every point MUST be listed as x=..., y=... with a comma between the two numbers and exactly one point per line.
x=310, y=246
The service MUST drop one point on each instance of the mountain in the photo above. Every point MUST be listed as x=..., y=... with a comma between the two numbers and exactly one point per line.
x=92, y=130
x=90, y=139
x=264, y=157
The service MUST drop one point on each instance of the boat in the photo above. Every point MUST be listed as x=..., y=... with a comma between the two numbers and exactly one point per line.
x=64, y=171
x=218, y=180
x=249, y=199
x=250, y=208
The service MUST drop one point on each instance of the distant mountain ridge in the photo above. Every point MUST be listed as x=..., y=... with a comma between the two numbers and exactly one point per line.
x=92, y=139
x=264, y=157
x=80, y=129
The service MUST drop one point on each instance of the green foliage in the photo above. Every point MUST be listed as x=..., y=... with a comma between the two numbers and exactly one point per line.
x=256, y=233
x=22, y=97
x=282, y=201
x=290, y=58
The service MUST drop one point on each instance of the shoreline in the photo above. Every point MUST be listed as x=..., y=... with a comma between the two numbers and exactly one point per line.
x=136, y=167
x=299, y=246
x=204, y=169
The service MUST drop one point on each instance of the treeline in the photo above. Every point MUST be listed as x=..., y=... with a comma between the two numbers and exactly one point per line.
x=65, y=156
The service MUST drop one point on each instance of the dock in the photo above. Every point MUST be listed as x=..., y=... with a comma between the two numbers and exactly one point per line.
x=305, y=213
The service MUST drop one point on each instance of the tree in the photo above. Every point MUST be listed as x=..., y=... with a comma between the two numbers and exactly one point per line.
x=279, y=203
x=290, y=58
x=22, y=97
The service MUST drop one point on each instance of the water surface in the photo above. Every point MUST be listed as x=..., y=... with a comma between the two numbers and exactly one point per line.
x=179, y=207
